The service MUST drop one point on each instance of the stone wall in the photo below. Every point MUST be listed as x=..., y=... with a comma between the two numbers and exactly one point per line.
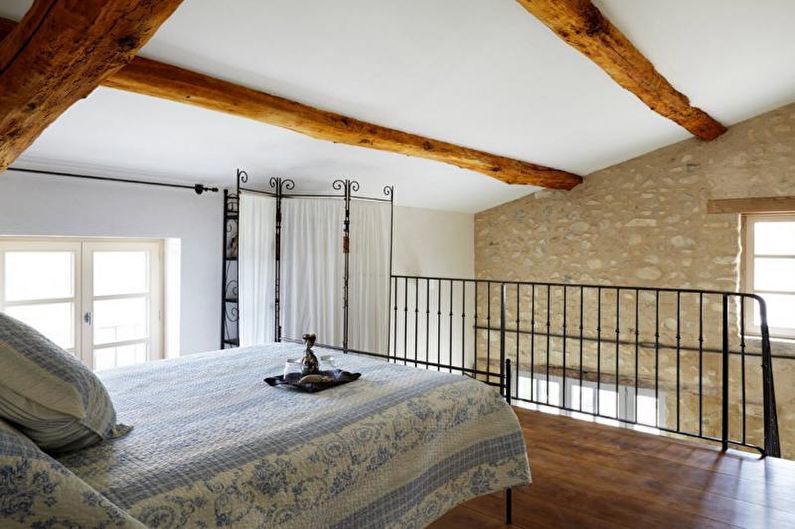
x=644, y=223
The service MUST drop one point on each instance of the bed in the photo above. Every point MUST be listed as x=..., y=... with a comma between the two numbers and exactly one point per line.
x=213, y=446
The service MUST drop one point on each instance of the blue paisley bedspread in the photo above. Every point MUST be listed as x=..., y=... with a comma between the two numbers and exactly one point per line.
x=214, y=446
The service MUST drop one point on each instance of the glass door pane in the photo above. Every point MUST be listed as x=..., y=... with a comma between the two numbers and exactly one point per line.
x=53, y=320
x=31, y=276
x=120, y=320
x=121, y=295
x=39, y=289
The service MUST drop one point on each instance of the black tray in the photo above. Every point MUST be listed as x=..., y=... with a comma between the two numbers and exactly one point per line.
x=336, y=377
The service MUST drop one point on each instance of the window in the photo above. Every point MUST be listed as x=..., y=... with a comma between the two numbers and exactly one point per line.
x=650, y=410
x=769, y=270
x=98, y=299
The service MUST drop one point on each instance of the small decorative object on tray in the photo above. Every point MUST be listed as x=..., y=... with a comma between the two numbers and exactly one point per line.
x=305, y=374
x=309, y=364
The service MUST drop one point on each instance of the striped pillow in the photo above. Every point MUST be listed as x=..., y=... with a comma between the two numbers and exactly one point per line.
x=49, y=394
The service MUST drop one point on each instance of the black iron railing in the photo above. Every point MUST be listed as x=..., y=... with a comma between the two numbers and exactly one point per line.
x=695, y=363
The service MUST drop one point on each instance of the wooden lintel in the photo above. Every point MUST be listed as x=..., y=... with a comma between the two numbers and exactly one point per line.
x=580, y=24
x=783, y=204
x=156, y=79
x=59, y=52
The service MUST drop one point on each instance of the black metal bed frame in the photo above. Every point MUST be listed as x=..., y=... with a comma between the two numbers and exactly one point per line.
x=280, y=189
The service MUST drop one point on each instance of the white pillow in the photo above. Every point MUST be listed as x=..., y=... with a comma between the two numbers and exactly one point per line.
x=49, y=395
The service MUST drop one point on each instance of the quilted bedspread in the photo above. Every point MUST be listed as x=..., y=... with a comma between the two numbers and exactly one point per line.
x=214, y=446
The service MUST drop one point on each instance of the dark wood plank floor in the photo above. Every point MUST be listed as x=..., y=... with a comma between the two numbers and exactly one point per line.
x=588, y=475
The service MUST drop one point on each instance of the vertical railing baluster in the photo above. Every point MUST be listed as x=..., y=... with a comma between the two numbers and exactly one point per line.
x=518, y=290
x=742, y=360
x=463, y=325
x=488, y=330
x=549, y=330
x=502, y=338
x=450, y=329
x=427, y=319
x=405, y=319
x=618, y=341
x=657, y=358
x=439, y=325
x=565, y=339
x=772, y=443
x=725, y=374
x=416, y=318
x=533, y=388
x=637, y=349
x=678, y=360
x=395, y=322
x=597, y=405
x=582, y=326
x=475, y=331
x=701, y=364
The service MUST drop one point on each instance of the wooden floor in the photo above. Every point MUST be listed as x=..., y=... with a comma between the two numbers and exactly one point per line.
x=589, y=475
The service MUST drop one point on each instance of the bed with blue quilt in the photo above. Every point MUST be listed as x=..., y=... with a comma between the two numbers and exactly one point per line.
x=212, y=445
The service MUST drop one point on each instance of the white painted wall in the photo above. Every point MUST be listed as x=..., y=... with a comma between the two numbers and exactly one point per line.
x=433, y=243
x=44, y=205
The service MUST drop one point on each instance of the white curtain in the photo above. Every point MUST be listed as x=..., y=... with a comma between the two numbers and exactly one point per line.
x=256, y=261
x=369, y=276
x=312, y=268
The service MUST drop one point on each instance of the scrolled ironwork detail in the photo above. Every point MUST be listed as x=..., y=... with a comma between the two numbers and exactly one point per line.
x=280, y=184
x=338, y=185
x=388, y=190
x=232, y=314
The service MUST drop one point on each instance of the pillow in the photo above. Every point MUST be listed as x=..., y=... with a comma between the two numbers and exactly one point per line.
x=49, y=394
x=38, y=491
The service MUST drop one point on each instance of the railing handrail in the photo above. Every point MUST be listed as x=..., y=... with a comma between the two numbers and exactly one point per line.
x=771, y=440
x=750, y=295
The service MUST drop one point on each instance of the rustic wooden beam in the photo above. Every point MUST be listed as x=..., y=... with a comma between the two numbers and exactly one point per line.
x=782, y=204
x=580, y=24
x=152, y=78
x=156, y=79
x=58, y=53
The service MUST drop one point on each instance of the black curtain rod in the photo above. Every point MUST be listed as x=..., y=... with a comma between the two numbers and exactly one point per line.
x=197, y=188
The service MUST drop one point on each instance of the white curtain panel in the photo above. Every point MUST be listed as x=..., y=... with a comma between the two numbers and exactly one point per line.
x=256, y=261
x=312, y=268
x=369, y=276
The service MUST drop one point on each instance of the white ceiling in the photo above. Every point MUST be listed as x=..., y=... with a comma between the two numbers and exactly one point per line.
x=480, y=73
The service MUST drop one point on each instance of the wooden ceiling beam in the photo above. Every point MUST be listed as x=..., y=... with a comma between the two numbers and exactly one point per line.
x=58, y=53
x=580, y=24
x=152, y=78
x=156, y=79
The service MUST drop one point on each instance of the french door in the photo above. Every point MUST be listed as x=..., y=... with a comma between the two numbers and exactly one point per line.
x=98, y=299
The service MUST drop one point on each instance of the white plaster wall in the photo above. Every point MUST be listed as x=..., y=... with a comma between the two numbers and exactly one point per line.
x=433, y=243
x=42, y=205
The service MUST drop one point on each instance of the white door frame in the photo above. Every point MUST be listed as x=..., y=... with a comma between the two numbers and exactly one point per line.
x=82, y=296
x=154, y=296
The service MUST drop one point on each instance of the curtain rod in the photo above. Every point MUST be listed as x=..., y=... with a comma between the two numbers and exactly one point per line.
x=197, y=188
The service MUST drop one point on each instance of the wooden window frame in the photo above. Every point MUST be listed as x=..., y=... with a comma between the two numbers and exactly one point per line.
x=82, y=248
x=748, y=256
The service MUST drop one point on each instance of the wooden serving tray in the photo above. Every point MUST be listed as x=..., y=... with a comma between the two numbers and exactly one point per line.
x=334, y=377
